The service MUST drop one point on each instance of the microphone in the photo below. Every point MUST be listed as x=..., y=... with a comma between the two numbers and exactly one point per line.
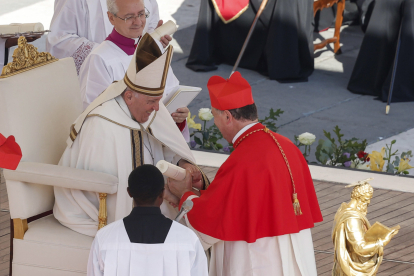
x=185, y=208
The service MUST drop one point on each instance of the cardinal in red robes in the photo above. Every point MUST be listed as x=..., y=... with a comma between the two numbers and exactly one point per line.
x=257, y=213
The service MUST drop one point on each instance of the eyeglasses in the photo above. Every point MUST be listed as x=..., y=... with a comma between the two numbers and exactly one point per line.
x=131, y=19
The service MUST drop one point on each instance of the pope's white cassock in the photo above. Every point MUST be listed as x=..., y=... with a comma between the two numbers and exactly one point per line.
x=108, y=62
x=81, y=25
x=120, y=249
x=106, y=138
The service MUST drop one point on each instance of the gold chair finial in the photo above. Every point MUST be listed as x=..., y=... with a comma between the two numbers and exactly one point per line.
x=26, y=57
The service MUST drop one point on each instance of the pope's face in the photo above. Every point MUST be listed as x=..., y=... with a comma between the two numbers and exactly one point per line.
x=141, y=106
x=134, y=11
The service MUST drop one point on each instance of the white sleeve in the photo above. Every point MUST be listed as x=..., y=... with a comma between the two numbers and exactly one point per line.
x=206, y=240
x=154, y=16
x=94, y=78
x=95, y=263
x=199, y=267
x=170, y=156
x=64, y=40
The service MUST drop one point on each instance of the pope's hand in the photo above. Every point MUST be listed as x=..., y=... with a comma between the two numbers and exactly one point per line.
x=165, y=40
x=179, y=188
x=170, y=197
x=197, y=178
x=180, y=115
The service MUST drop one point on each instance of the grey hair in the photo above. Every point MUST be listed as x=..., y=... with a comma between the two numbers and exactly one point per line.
x=112, y=7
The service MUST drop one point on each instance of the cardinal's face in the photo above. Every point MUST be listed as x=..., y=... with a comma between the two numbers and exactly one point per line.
x=221, y=120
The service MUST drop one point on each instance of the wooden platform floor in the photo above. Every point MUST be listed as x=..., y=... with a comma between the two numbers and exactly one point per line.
x=388, y=207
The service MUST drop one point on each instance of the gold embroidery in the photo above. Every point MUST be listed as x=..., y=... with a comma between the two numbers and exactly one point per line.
x=103, y=117
x=73, y=133
x=138, y=155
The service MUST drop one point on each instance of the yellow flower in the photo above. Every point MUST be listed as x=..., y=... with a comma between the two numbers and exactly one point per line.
x=191, y=123
x=403, y=166
x=377, y=160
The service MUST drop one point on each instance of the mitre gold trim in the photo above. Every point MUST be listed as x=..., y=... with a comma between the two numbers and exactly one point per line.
x=25, y=58
x=158, y=91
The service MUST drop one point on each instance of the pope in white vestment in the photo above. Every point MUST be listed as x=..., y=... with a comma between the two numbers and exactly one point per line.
x=108, y=138
x=78, y=26
x=146, y=242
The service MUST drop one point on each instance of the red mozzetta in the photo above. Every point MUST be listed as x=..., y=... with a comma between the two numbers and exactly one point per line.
x=251, y=195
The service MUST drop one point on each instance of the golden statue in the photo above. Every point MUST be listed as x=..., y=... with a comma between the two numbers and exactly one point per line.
x=26, y=57
x=358, y=245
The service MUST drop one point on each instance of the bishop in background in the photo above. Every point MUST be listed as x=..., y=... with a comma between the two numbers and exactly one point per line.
x=257, y=213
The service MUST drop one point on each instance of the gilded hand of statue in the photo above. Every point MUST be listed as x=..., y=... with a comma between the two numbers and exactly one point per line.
x=389, y=236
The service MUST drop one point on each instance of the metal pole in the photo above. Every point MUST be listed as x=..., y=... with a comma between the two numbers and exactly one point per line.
x=259, y=12
x=387, y=108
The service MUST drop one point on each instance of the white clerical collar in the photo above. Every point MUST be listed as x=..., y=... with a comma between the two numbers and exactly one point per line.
x=243, y=130
x=134, y=39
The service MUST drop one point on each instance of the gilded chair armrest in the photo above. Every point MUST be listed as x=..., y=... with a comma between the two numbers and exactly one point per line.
x=65, y=177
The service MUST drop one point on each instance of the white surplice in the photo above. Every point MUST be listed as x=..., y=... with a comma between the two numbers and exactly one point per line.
x=78, y=26
x=104, y=65
x=286, y=255
x=104, y=145
x=112, y=254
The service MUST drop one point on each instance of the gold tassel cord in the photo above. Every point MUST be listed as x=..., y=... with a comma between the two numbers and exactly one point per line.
x=296, y=205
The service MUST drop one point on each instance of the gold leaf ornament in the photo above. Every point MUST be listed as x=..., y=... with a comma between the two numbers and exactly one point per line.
x=26, y=57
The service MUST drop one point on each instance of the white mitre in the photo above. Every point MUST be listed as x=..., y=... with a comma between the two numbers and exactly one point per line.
x=146, y=74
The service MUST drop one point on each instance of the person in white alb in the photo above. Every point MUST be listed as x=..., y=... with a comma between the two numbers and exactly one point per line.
x=78, y=26
x=109, y=61
x=146, y=242
x=125, y=127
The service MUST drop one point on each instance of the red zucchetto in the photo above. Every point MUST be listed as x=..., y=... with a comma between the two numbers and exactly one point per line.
x=232, y=93
x=10, y=153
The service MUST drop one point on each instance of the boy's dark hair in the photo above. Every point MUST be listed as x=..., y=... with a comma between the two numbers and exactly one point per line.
x=145, y=184
x=248, y=112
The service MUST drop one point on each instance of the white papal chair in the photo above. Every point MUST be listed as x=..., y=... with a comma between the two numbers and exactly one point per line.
x=38, y=104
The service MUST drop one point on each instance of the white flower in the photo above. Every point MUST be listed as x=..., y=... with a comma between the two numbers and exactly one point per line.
x=205, y=114
x=307, y=138
x=363, y=166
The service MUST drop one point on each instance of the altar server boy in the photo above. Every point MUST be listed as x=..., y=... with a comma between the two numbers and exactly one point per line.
x=146, y=242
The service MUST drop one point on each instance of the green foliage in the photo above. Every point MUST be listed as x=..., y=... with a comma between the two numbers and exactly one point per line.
x=208, y=137
x=270, y=121
x=334, y=150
